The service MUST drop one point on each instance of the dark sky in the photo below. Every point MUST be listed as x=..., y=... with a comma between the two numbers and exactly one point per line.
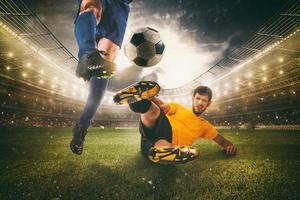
x=206, y=30
x=217, y=21
x=209, y=20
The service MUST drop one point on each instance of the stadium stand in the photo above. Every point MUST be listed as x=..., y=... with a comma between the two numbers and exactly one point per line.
x=256, y=85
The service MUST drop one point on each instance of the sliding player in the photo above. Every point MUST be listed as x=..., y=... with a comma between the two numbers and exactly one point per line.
x=168, y=129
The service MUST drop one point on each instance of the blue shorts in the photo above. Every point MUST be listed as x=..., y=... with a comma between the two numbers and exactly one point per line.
x=113, y=20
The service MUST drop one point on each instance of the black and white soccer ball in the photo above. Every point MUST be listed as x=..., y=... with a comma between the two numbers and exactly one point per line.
x=145, y=47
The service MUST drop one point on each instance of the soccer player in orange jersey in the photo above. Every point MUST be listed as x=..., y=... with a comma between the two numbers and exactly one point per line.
x=169, y=129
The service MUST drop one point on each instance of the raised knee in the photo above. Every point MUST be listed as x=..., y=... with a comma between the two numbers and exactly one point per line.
x=152, y=114
x=154, y=111
x=149, y=118
x=111, y=49
x=94, y=6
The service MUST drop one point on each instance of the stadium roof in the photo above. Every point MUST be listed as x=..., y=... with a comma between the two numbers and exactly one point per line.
x=268, y=37
x=38, y=47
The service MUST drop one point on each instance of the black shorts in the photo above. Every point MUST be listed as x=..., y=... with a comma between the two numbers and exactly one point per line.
x=161, y=130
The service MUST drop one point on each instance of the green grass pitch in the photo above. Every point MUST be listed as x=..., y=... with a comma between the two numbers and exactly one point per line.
x=36, y=163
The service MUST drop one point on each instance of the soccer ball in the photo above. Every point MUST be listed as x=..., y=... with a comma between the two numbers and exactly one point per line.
x=145, y=47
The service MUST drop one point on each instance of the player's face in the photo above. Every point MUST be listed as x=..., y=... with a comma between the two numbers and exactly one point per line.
x=200, y=103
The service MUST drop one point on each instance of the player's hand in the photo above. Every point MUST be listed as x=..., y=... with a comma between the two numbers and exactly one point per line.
x=230, y=150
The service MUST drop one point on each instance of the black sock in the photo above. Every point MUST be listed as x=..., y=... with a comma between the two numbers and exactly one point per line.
x=140, y=106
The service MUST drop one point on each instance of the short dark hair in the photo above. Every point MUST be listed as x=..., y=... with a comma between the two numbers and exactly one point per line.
x=203, y=90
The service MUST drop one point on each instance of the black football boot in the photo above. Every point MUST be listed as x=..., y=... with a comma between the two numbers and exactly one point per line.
x=92, y=63
x=79, y=134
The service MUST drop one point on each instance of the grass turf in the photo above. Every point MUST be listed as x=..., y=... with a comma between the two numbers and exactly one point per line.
x=36, y=163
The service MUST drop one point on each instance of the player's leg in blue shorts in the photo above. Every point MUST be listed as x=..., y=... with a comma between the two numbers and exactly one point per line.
x=99, y=30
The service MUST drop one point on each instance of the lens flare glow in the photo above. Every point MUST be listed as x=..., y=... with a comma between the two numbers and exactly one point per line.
x=184, y=58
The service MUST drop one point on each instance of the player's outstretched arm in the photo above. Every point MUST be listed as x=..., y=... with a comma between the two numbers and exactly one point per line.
x=228, y=147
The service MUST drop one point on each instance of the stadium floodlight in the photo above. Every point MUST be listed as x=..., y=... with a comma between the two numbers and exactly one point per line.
x=24, y=74
x=280, y=59
x=41, y=82
x=35, y=49
x=264, y=79
x=264, y=67
x=8, y=68
x=28, y=65
x=22, y=40
x=280, y=72
x=249, y=84
x=249, y=75
x=10, y=54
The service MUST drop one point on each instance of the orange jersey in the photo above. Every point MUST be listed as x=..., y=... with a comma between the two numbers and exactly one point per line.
x=187, y=127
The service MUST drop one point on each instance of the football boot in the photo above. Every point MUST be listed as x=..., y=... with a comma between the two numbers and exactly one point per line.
x=79, y=134
x=92, y=63
x=137, y=92
x=173, y=155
